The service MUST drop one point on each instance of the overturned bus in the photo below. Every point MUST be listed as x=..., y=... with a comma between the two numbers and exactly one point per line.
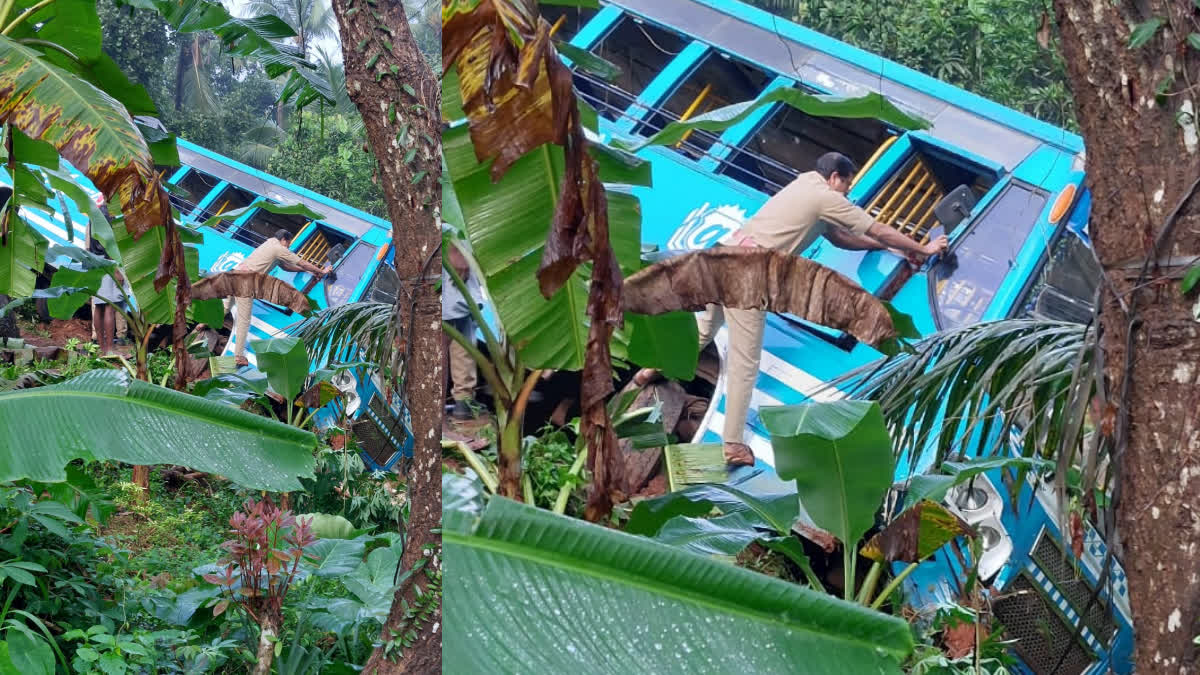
x=356, y=244
x=1021, y=250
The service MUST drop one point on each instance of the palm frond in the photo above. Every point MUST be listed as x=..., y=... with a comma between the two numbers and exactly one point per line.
x=358, y=331
x=1017, y=382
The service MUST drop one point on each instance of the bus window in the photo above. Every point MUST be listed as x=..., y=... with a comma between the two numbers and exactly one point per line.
x=263, y=225
x=1065, y=288
x=641, y=51
x=719, y=81
x=195, y=185
x=906, y=201
x=384, y=287
x=964, y=284
x=349, y=272
x=230, y=199
x=316, y=247
x=568, y=19
x=789, y=143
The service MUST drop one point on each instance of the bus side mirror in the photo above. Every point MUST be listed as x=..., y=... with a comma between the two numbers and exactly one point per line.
x=955, y=207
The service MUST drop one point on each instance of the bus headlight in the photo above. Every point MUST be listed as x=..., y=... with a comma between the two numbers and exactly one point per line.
x=979, y=504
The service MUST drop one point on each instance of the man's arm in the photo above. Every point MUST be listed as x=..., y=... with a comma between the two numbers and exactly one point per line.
x=845, y=239
x=852, y=225
x=294, y=263
x=890, y=238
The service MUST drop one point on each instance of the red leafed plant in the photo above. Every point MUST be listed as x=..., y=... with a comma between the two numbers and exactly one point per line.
x=264, y=555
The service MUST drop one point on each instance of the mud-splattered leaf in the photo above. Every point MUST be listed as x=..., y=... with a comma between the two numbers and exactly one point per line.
x=90, y=129
x=916, y=534
x=318, y=395
x=240, y=284
x=754, y=278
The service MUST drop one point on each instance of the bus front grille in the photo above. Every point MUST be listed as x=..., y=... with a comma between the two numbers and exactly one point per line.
x=1044, y=640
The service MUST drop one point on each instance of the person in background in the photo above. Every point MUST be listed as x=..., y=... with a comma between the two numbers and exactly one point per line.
x=272, y=251
x=813, y=205
x=108, y=298
x=457, y=313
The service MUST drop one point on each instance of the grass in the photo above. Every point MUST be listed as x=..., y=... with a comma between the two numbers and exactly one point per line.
x=175, y=529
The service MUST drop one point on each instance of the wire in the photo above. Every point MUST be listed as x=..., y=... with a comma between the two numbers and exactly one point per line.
x=656, y=45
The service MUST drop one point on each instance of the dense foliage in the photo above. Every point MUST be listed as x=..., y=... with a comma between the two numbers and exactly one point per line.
x=989, y=47
x=228, y=105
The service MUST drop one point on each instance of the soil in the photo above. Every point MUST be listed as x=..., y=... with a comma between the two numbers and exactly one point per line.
x=59, y=331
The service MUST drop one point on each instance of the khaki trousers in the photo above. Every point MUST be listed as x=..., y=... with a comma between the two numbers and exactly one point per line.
x=241, y=326
x=741, y=363
x=462, y=373
x=462, y=367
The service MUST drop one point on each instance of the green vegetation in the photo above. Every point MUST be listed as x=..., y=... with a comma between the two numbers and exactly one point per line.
x=989, y=47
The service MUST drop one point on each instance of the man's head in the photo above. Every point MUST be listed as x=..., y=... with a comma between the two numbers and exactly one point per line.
x=837, y=170
x=284, y=237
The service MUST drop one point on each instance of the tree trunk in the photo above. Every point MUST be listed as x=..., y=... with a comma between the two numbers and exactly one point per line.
x=1142, y=168
x=399, y=99
x=268, y=634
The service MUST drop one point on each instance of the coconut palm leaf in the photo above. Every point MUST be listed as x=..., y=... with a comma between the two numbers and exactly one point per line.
x=363, y=330
x=1017, y=382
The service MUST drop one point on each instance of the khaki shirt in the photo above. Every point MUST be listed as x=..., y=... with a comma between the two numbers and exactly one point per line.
x=265, y=256
x=793, y=219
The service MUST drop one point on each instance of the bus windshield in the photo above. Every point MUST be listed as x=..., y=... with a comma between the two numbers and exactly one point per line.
x=966, y=281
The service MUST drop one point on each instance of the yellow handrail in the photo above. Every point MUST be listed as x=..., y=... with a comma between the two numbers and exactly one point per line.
x=691, y=110
x=870, y=162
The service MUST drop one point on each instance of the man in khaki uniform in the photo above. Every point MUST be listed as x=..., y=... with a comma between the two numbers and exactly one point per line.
x=791, y=221
x=456, y=312
x=270, y=252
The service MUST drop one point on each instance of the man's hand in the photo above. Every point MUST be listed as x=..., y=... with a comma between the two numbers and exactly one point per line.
x=937, y=246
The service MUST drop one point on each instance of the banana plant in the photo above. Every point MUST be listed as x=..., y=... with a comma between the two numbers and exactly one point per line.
x=286, y=365
x=203, y=435
x=839, y=455
x=693, y=612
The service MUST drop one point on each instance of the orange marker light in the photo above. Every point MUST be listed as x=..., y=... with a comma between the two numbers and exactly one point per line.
x=1062, y=203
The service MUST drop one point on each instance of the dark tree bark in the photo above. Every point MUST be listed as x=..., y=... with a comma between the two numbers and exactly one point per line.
x=8, y=324
x=1142, y=168
x=399, y=99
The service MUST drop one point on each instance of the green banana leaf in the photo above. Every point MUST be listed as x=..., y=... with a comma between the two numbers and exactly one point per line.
x=507, y=224
x=870, y=106
x=534, y=592
x=285, y=361
x=840, y=456
x=141, y=258
x=107, y=415
x=265, y=205
x=21, y=257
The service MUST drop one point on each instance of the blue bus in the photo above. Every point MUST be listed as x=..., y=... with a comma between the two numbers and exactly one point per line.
x=1021, y=251
x=357, y=245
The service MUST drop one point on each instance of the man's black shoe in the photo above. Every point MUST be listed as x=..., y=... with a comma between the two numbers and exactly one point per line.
x=462, y=411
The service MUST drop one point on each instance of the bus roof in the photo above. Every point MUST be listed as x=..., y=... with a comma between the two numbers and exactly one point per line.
x=958, y=117
x=348, y=218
